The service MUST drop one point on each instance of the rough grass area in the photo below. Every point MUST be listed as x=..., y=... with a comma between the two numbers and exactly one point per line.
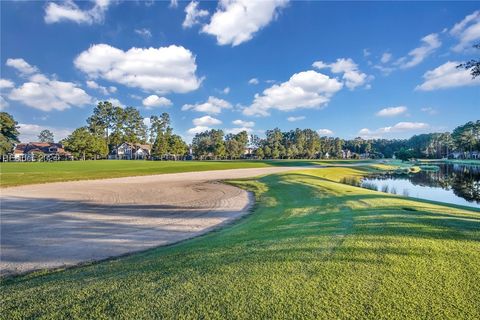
x=312, y=248
x=14, y=174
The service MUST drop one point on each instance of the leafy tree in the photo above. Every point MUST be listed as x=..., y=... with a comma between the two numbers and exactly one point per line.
x=8, y=133
x=405, y=154
x=158, y=124
x=259, y=153
x=104, y=119
x=46, y=136
x=84, y=144
x=178, y=147
x=467, y=136
x=134, y=130
x=472, y=65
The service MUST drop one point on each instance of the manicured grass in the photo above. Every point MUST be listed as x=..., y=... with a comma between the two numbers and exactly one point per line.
x=312, y=248
x=14, y=174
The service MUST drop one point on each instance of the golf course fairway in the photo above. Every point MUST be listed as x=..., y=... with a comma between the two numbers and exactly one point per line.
x=311, y=248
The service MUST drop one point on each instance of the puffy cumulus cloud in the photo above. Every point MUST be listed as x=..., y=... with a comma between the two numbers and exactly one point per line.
x=6, y=84
x=164, y=69
x=193, y=15
x=253, y=81
x=391, y=111
x=447, y=76
x=307, y=89
x=212, y=106
x=69, y=11
x=325, y=132
x=430, y=43
x=197, y=129
x=294, y=119
x=156, y=101
x=22, y=66
x=104, y=90
x=144, y=33
x=243, y=123
x=352, y=76
x=29, y=132
x=236, y=21
x=206, y=121
x=467, y=31
x=397, y=128
x=46, y=94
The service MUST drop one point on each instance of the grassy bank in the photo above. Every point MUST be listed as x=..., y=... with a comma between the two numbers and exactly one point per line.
x=312, y=248
x=14, y=174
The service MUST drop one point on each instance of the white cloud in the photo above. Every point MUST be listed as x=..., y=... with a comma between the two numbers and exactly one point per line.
x=429, y=110
x=352, y=76
x=29, y=132
x=226, y=90
x=293, y=119
x=253, y=81
x=144, y=32
x=6, y=84
x=238, y=130
x=197, y=129
x=206, y=121
x=307, y=89
x=392, y=111
x=447, y=76
x=325, y=132
x=397, y=128
x=69, y=11
x=243, y=123
x=236, y=21
x=3, y=103
x=22, y=66
x=173, y=4
x=366, y=52
x=164, y=69
x=430, y=43
x=213, y=106
x=104, y=90
x=156, y=101
x=386, y=57
x=467, y=31
x=193, y=15
x=46, y=94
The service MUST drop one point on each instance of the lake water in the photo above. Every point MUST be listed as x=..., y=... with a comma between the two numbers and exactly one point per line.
x=453, y=183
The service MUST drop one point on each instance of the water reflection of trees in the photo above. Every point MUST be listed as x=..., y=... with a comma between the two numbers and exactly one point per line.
x=463, y=180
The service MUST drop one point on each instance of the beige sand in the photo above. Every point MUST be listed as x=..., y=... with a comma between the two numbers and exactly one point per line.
x=67, y=223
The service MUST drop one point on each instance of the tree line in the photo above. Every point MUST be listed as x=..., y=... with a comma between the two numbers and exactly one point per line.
x=110, y=125
x=308, y=144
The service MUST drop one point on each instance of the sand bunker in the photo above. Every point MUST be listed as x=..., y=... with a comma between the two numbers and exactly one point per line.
x=67, y=223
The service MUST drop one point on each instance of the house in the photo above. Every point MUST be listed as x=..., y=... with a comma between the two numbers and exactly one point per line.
x=346, y=154
x=131, y=151
x=40, y=151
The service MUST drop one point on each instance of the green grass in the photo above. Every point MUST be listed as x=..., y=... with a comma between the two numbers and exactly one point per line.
x=312, y=248
x=14, y=174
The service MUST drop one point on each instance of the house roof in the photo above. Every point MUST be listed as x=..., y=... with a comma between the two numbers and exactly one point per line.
x=44, y=147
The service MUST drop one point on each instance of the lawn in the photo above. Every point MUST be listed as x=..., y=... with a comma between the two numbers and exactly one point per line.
x=17, y=173
x=312, y=248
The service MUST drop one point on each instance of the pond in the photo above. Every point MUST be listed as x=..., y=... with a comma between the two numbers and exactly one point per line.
x=451, y=183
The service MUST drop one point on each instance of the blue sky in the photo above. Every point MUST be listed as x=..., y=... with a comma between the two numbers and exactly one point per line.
x=372, y=69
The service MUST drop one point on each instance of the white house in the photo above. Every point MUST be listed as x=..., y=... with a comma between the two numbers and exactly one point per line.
x=131, y=151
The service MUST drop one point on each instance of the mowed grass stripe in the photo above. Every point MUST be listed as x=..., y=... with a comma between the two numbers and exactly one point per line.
x=312, y=248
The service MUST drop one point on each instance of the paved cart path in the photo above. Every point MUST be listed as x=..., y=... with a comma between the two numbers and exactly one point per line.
x=67, y=223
